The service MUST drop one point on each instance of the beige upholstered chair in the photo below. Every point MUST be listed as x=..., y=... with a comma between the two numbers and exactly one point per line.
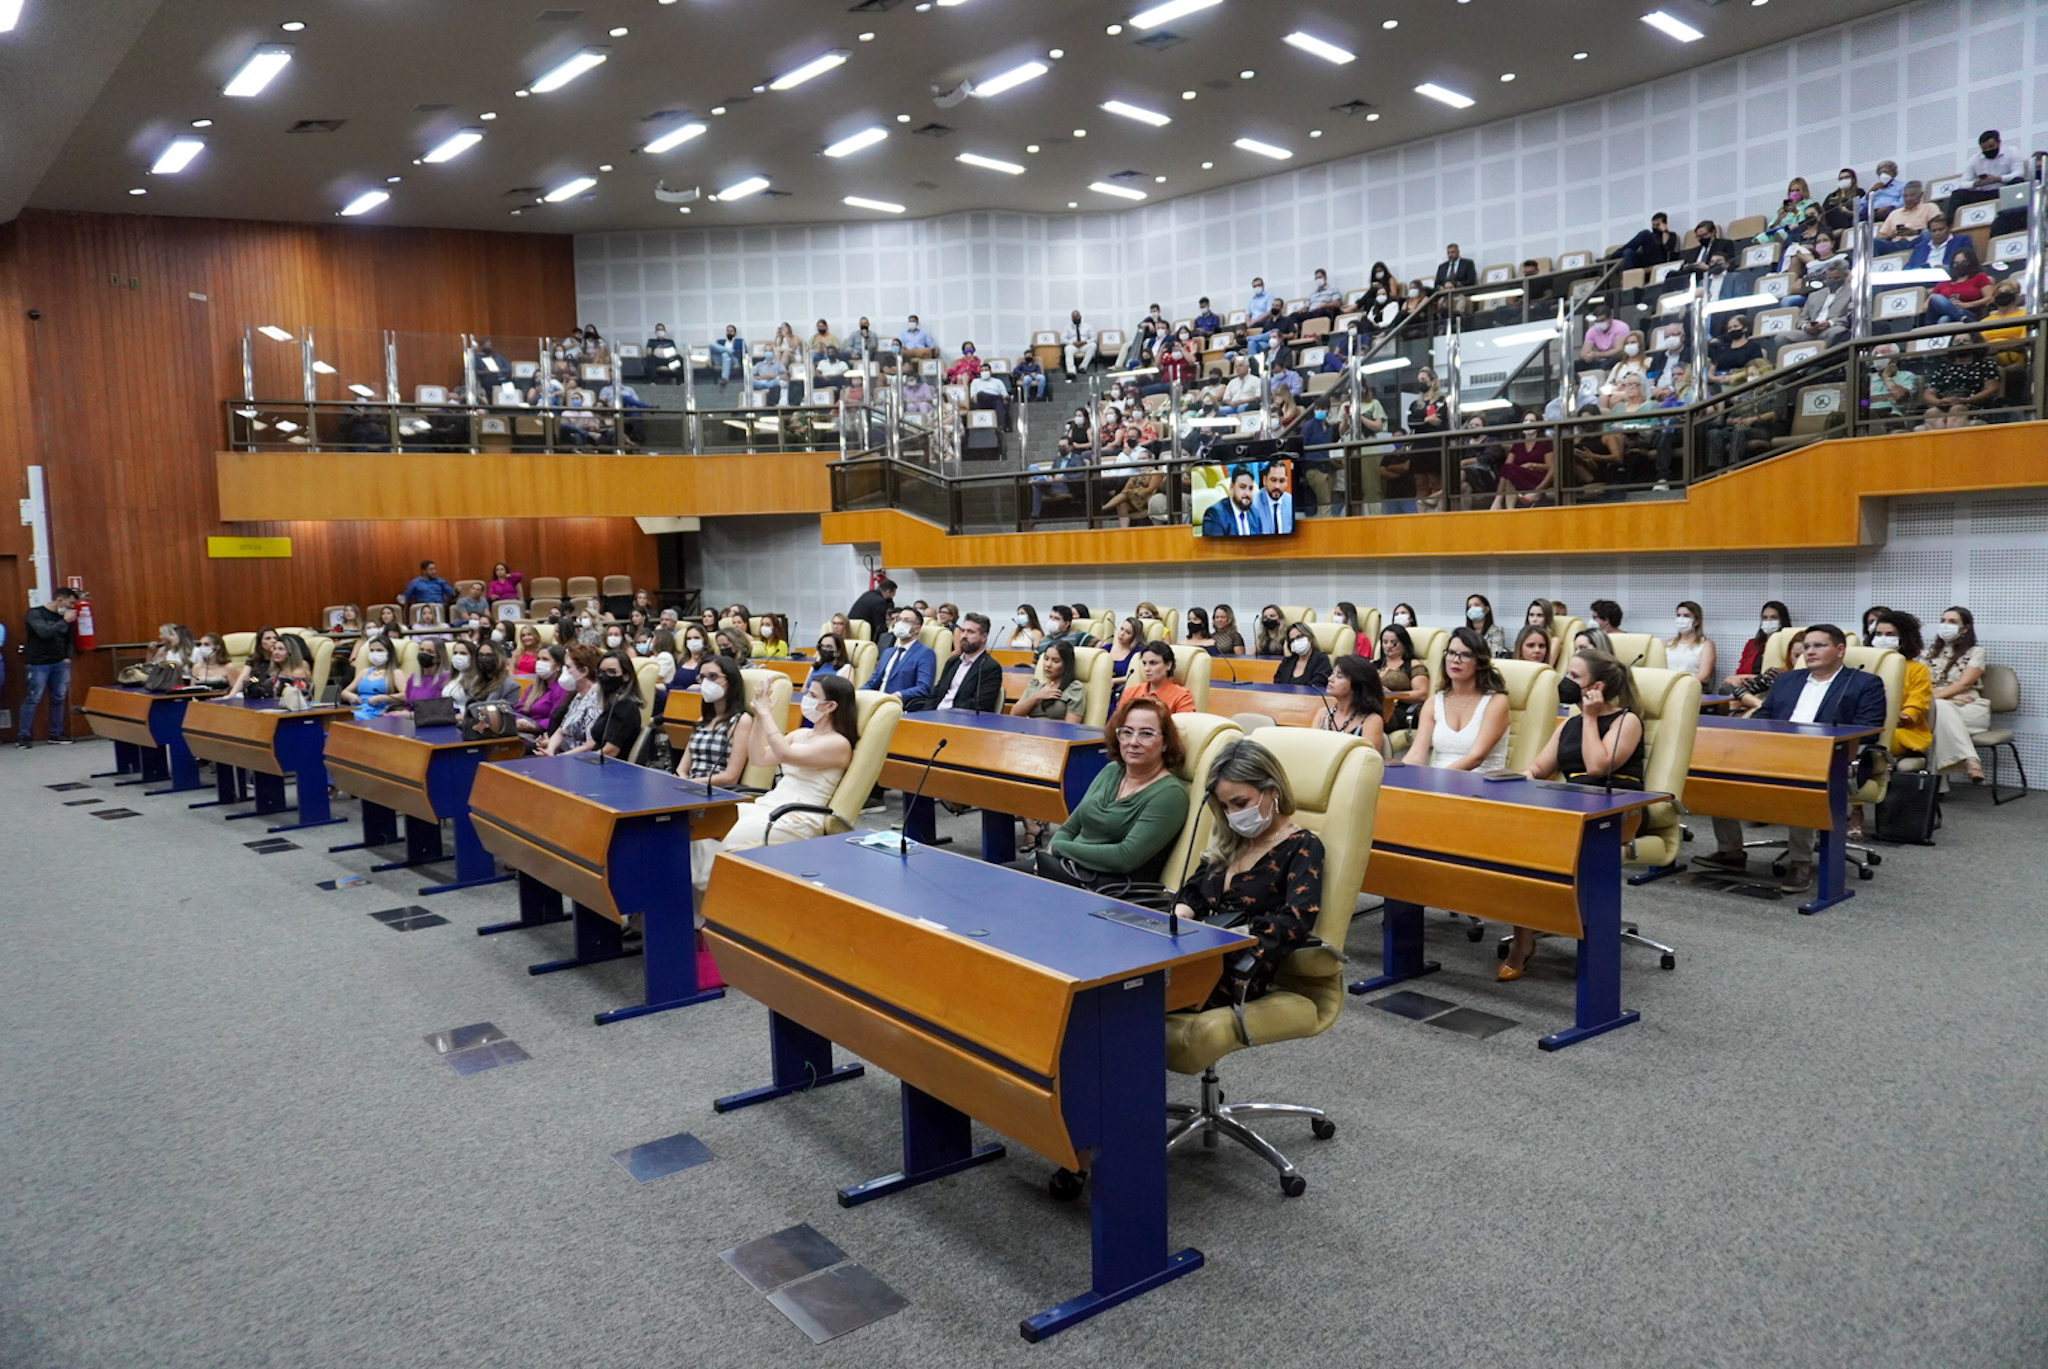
x=1191, y=668
x=878, y=713
x=1334, y=639
x=1634, y=649
x=1532, y=709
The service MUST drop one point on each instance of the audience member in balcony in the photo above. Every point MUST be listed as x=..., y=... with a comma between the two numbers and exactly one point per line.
x=1828, y=313
x=1456, y=272
x=861, y=341
x=545, y=391
x=1030, y=379
x=965, y=368
x=1719, y=283
x=1963, y=381
x=1316, y=468
x=1993, y=166
x=1903, y=226
x=1262, y=310
x=918, y=397
x=1893, y=388
x=918, y=345
x=1964, y=296
x=1744, y=424
x=1206, y=323
x=1077, y=435
x=1429, y=412
x=784, y=346
x=470, y=602
x=1937, y=247
x=665, y=362
x=1604, y=339
x=592, y=350
x=1886, y=193
x=581, y=425
x=1838, y=210
x=504, y=583
x=1134, y=496
x=1707, y=243
x=1653, y=246
x=987, y=391
x=1797, y=216
x=1322, y=302
x=491, y=369
x=1382, y=307
x=2005, y=304
x=730, y=352
x=1805, y=260
x=829, y=370
x=1734, y=354
x=823, y=341
x=1528, y=471
x=1242, y=393
x=427, y=588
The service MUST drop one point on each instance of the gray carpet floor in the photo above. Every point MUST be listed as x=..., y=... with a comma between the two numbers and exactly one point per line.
x=223, y=1141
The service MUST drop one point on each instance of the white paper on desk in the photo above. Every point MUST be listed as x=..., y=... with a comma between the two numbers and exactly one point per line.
x=892, y=842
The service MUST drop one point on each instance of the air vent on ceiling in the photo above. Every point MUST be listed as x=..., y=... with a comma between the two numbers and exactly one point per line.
x=1353, y=107
x=661, y=114
x=431, y=109
x=523, y=191
x=1161, y=41
x=1125, y=176
x=923, y=185
x=933, y=130
x=558, y=16
x=776, y=194
x=873, y=6
x=316, y=125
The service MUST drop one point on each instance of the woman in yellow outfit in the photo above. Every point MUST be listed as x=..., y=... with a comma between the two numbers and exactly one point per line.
x=1913, y=735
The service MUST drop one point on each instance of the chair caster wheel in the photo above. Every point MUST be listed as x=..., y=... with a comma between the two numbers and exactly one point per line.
x=1065, y=1185
x=1669, y=962
x=1865, y=872
x=1876, y=859
x=1475, y=933
x=1500, y=952
x=1293, y=1185
x=1323, y=1128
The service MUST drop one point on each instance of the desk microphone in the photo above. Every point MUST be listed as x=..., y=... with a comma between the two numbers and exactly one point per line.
x=902, y=837
x=1229, y=665
x=1173, y=890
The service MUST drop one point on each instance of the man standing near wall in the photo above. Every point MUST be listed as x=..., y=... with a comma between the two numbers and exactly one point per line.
x=47, y=654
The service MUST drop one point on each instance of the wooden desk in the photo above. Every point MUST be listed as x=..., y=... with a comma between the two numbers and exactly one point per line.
x=990, y=994
x=1526, y=854
x=1792, y=773
x=424, y=773
x=148, y=732
x=1287, y=705
x=260, y=738
x=616, y=839
x=1009, y=656
x=1008, y=767
x=1230, y=670
x=798, y=671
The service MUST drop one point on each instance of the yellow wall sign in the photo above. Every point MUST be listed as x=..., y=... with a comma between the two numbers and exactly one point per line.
x=218, y=547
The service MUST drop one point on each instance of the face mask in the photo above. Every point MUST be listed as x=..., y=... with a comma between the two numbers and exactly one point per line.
x=1629, y=349
x=1020, y=620
x=694, y=643
x=429, y=664
x=1300, y=646
x=827, y=655
x=1794, y=196
x=1272, y=622
x=1568, y=691
x=459, y=659
x=202, y=653
x=904, y=632
x=498, y=634
x=487, y=665
x=1768, y=625
x=610, y=684
x=379, y=657
x=1845, y=181
x=1475, y=614
x=1883, y=178
x=1673, y=343
x=712, y=691
x=1249, y=822
x=613, y=639
x=1683, y=622
x=643, y=648
x=1403, y=620
x=811, y=706
x=544, y=669
x=583, y=622
x=1947, y=631
x=1885, y=641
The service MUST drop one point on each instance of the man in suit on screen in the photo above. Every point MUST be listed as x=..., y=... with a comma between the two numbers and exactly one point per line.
x=1236, y=515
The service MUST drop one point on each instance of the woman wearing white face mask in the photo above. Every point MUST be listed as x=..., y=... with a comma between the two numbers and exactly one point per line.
x=1479, y=615
x=537, y=710
x=380, y=683
x=1301, y=662
x=210, y=660
x=717, y=751
x=1261, y=874
x=812, y=759
x=1025, y=632
x=1750, y=679
x=1688, y=649
x=695, y=652
x=1955, y=663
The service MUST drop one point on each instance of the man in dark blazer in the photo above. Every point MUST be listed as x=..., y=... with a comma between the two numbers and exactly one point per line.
x=971, y=678
x=1707, y=243
x=875, y=608
x=1825, y=692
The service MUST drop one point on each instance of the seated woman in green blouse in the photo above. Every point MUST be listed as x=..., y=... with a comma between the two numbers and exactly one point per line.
x=1128, y=820
x=1261, y=873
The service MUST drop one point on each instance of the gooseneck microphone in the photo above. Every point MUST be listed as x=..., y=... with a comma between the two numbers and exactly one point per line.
x=902, y=836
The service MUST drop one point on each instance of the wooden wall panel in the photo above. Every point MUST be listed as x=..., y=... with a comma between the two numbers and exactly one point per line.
x=1811, y=498
x=139, y=343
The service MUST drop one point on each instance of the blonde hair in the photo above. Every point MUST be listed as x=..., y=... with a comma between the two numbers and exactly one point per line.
x=1243, y=761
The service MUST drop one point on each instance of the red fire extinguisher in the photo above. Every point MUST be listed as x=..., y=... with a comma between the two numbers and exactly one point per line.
x=876, y=575
x=82, y=628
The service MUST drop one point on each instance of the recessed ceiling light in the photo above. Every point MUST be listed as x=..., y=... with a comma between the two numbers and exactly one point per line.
x=1122, y=192
x=817, y=66
x=1143, y=116
x=1278, y=154
x=177, y=156
x=681, y=208
x=606, y=166
x=393, y=180
x=1172, y=9
x=1073, y=204
x=752, y=185
x=924, y=7
x=1676, y=28
x=620, y=32
x=675, y=137
x=867, y=37
x=1113, y=30
x=488, y=114
x=1188, y=94
x=1011, y=79
x=1507, y=76
x=1580, y=56
x=867, y=137
x=990, y=163
x=256, y=73
x=202, y=123
x=1391, y=24
x=364, y=203
x=1080, y=133
x=879, y=206
x=1329, y=52
x=718, y=109
x=1372, y=118
x=569, y=190
x=417, y=162
x=138, y=190
x=1315, y=133
x=760, y=90
x=10, y=14
x=1031, y=147
x=569, y=70
x=1246, y=74
x=902, y=118
x=522, y=94
x=1755, y=3
x=1208, y=166
x=454, y=146
x=1449, y=97
x=1159, y=180
x=274, y=333
x=293, y=25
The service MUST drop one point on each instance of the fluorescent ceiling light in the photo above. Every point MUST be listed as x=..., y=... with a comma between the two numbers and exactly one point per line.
x=177, y=156
x=879, y=206
x=1723, y=306
x=1122, y=192
x=990, y=163
x=569, y=191
x=1531, y=335
x=286, y=426
x=1143, y=116
x=271, y=330
x=1278, y=154
x=1329, y=52
x=1390, y=364
x=364, y=203
x=365, y=391
x=675, y=137
x=1677, y=28
x=323, y=368
x=1172, y=9
x=10, y=14
x=569, y=70
x=865, y=138
x=752, y=185
x=817, y=66
x=455, y=146
x=1010, y=80
x=1449, y=97
x=256, y=73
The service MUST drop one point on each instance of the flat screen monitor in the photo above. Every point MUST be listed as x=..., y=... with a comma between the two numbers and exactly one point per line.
x=1244, y=499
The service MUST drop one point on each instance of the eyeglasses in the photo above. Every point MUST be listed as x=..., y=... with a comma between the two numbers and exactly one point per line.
x=1136, y=734
x=1459, y=656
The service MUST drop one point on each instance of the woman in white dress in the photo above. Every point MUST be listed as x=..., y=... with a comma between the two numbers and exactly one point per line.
x=1689, y=650
x=812, y=761
x=1466, y=725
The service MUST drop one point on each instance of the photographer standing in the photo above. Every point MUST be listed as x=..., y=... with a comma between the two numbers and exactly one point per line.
x=47, y=654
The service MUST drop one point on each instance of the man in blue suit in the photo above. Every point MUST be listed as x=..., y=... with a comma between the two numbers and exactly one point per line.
x=907, y=667
x=1234, y=514
x=1827, y=693
x=1275, y=505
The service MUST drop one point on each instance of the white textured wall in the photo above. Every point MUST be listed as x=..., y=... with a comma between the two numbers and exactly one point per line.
x=1916, y=84
x=1987, y=552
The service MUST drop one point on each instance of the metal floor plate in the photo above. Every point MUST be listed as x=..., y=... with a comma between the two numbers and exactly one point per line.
x=1746, y=886
x=80, y=803
x=465, y=1038
x=477, y=1059
x=416, y=924
x=772, y=1261
x=651, y=1160
x=1472, y=1022
x=117, y=813
x=404, y=914
x=67, y=787
x=1418, y=1007
x=838, y=1300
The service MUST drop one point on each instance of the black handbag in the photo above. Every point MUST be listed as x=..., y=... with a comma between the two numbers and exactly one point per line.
x=434, y=713
x=1910, y=811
